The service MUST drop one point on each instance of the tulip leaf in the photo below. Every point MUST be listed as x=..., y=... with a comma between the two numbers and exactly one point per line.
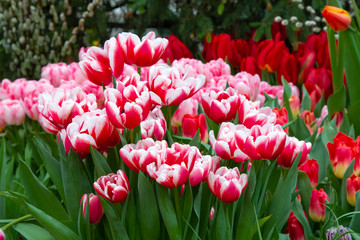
x=337, y=101
x=319, y=106
x=344, y=203
x=195, y=140
x=32, y=231
x=39, y=195
x=259, y=33
x=206, y=201
x=353, y=113
x=117, y=228
x=345, y=126
x=304, y=185
x=261, y=222
x=2, y=176
x=299, y=214
x=305, y=102
x=186, y=206
x=354, y=224
x=75, y=181
x=55, y=228
x=51, y=164
x=271, y=102
x=320, y=153
x=286, y=96
x=299, y=129
x=222, y=226
x=150, y=228
x=282, y=198
x=101, y=166
x=84, y=221
x=168, y=212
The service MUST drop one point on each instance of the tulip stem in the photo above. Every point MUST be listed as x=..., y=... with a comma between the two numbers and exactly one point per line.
x=177, y=205
x=114, y=82
x=16, y=221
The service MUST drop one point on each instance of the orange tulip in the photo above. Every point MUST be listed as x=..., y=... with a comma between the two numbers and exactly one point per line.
x=338, y=19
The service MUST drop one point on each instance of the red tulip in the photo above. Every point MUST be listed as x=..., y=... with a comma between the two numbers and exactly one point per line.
x=341, y=153
x=95, y=209
x=292, y=150
x=294, y=228
x=2, y=235
x=113, y=187
x=306, y=60
x=311, y=168
x=116, y=59
x=176, y=50
x=221, y=46
x=352, y=186
x=317, y=205
x=250, y=65
x=288, y=69
x=278, y=31
x=207, y=52
x=192, y=123
x=240, y=50
x=315, y=94
x=322, y=78
x=338, y=19
x=269, y=54
x=227, y=184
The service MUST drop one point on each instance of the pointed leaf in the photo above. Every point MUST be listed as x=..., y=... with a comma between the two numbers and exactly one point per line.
x=31, y=231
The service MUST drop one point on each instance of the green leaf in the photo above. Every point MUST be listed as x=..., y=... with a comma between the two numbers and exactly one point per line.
x=353, y=113
x=299, y=129
x=320, y=153
x=168, y=212
x=319, y=106
x=2, y=176
x=286, y=96
x=222, y=226
x=220, y=9
x=261, y=221
x=337, y=101
x=117, y=228
x=101, y=166
x=304, y=185
x=55, y=228
x=150, y=227
x=195, y=140
x=32, y=232
x=186, y=205
x=299, y=214
x=259, y=33
x=305, y=102
x=344, y=204
x=354, y=224
x=39, y=195
x=271, y=102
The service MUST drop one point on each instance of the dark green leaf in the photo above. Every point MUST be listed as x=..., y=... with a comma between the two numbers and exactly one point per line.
x=32, y=232
x=117, y=228
x=101, y=166
x=337, y=101
x=354, y=224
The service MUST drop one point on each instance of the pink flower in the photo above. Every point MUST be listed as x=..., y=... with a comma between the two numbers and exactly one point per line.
x=126, y=106
x=192, y=123
x=95, y=209
x=227, y=184
x=261, y=142
x=190, y=67
x=216, y=68
x=250, y=114
x=2, y=235
x=11, y=113
x=138, y=156
x=113, y=187
x=246, y=84
x=75, y=73
x=116, y=59
x=317, y=205
x=225, y=145
x=154, y=125
x=291, y=151
x=173, y=166
x=92, y=129
x=188, y=106
x=201, y=170
x=311, y=168
x=220, y=106
x=168, y=86
x=142, y=53
x=59, y=108
x=55, y=72
x=96, y=66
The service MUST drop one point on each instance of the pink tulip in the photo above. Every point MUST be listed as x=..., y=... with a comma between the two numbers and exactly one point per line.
x=266, y=142
x=169, y=86
x=92, y=129
x=250, y=114
x=11, y=113
x=317, y=205
x=201, y=170
x=96, y=66
x=59, y=108
x=127, y=107
x=173, y=166
x=55, y=72
x=188, y=106
x=227, y=184
x=192, y=123
x=292, y=150
x=116, y=60
x=216, y=68
x=138, y=156
x=142, y=53
x=154, y=125
x=225, y=144
x=220, y=106
x=311, y=168
x=113, y=187
x=246, y=84
x=2, y=235
x=95, y=209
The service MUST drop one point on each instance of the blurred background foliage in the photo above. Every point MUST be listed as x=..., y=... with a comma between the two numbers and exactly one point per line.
x=37, y=32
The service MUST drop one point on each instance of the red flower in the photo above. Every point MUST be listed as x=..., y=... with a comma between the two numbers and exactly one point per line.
x=221, y=46
x=176, y=50
x=288, y=69
x=240, y=50
x=352, y=186
x=291, y=151
x=95, y=209
x=250, y=65
x=337, y=18
x=269, y=54
x=192, y=123
x=311, y=168
x=294, y=228
x=317, y=205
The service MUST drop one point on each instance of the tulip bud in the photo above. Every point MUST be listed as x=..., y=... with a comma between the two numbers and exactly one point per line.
x=2, y=235
x=337, y=18
x=294, y=228
x=317, y=205
x=212, y=211
x=95, y=209
x=311, y=168
x=352, y=186
x=191, y=124
x=295, y=106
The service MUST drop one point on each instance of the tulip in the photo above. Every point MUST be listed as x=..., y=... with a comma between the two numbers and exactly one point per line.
x=138, y=156
x=116, y=60
x=341, y=153
x=295, y=106
x=176, y=50
x=317, y=205
x=113, y=187
x=225, y=144
x=188, y=106
x=11, y=113
x=294, y=228
x=212, y=212
x=269, y=54
x=96, y=66
x=246, y=84
x=201, y=170
x=154, y=125
x=261, y=142
x=2, y=235
x=281, y=115
x=221, y=46
x=240, y=50
x=322, y=78
x=227, y=184
x=352, y=186
x=127, y=106
x=95, y=209
x=309, y=119
x=306, y=59
x=142, y=53
x=315, y=93
x=55, y=72
x=250, y=65
x=278, y=31
x=292, y=150
x=251, y=114
x=288, y=69
x=220, y=106
x=169, y=86
x=215, y=68
x=192, y=123
x=338, y=19
x=173, y=165
x=311, y=168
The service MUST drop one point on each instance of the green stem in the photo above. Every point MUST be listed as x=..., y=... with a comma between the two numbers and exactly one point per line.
x=131, y=135
x=356, y=10
x=337, y=82
x=16, y=221
x=177, y=205
x=114, y=82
